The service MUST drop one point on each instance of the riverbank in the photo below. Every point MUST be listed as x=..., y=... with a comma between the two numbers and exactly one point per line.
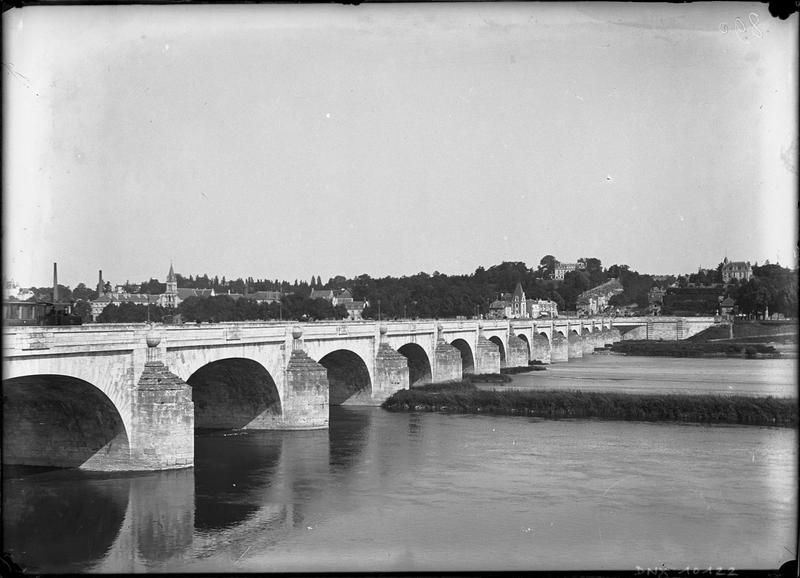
x=465, y=398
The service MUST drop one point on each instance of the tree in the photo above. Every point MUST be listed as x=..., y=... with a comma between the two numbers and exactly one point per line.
x=84, y=309
x=82, y=292
x=153, y=287
x=753, y=297
x=547, y=266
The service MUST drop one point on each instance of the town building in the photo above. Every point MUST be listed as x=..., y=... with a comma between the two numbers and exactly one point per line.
x=740, y=271
x=655, y=299
x=596, y=300
x=516, y=306
x=266, y=296
x=727, y=307
x=117, y=298
x=12, y=291
x=542, y=308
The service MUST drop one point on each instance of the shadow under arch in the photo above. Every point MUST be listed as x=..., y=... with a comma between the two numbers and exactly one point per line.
x=64, y=422
x=348, y=377
x=419, y=366
x=499, y=343
x=467, y=359
x=234, y=393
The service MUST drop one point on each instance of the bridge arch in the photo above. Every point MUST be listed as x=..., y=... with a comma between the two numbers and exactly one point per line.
x=419, y=366
x=62, y=421
x=499, y=343
x=467, y=358
x=235, y=393
x=348, y=378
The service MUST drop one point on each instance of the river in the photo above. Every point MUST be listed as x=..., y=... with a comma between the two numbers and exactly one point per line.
x=413, y=492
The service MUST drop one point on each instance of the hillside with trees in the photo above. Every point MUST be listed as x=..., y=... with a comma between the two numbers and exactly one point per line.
x=772, y=288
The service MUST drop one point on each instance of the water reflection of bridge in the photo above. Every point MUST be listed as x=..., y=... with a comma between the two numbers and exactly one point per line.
x=246, y=493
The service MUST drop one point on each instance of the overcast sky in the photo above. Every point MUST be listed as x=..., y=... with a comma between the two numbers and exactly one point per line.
x=290, y=141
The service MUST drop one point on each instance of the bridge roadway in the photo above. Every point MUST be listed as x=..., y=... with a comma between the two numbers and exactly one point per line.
x=129, y=397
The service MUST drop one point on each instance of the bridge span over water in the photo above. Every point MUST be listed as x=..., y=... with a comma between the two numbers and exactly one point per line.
x=129, y=397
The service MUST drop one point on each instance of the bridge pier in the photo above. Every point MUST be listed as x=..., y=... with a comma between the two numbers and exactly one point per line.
x=162, y=432
x=516, y=352
x=447, y=362
x=574, y=346
x=559, y=350
x=391, y=370
x=487, y=354
x=306, y=400
x=541, y=348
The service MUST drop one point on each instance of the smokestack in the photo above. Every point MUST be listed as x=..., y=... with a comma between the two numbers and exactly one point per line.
x=100, y=282
x=55, y=282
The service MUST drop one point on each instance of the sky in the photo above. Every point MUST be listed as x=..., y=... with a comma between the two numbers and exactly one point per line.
x=285, y=141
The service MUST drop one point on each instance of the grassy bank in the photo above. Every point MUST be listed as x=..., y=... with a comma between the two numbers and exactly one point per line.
x=464, y=397
x=694, y=349
x=751, y=331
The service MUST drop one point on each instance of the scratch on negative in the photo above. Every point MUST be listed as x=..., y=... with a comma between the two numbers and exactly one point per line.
x=609, y=488
x=243, y=553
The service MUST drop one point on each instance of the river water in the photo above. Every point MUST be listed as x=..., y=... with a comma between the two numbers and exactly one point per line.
x=413, y=492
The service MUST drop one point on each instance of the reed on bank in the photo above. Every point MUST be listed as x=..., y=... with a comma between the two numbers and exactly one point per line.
x=463, y=397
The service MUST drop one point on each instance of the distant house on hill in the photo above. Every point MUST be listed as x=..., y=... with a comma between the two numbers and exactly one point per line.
x=562, y=269
x=738, y=270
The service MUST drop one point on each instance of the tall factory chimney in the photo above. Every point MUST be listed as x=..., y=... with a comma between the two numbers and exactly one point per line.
x=55, y=282
x=100, y=282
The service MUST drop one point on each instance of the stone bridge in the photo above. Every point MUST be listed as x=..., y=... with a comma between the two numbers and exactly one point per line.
x=129, y=397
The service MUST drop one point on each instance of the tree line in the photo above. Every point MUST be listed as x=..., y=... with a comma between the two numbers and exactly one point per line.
x=434, y=295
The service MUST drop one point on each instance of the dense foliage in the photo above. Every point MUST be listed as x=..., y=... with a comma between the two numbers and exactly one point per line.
x=226, y=308
x=131, y=313
x=773, y=288
x=464, y=397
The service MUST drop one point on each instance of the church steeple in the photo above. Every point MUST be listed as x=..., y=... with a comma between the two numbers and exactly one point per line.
x=171, y=294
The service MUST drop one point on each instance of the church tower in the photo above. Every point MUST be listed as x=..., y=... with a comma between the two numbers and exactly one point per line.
x=171, y=294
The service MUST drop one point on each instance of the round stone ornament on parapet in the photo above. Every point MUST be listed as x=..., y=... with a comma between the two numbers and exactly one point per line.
x=153, y=339
x=297, y=333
